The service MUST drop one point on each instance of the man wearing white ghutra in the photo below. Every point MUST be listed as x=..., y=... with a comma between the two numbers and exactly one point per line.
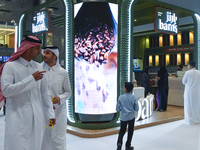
x=60, y=91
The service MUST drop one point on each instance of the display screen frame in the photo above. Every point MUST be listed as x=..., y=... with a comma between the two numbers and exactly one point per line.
x=111, y=107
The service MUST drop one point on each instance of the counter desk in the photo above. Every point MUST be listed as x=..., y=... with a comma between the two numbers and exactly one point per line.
x=176, y=91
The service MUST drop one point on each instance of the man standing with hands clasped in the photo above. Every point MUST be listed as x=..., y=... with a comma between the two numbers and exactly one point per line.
x=60, y=91
x=24, y=85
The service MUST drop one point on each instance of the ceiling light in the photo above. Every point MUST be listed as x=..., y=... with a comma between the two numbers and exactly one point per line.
x=3, y=29
x=12, y=21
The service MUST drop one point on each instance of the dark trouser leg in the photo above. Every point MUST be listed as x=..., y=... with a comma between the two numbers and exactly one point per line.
x=4, y=110
x=122, y=131
x=130, y=132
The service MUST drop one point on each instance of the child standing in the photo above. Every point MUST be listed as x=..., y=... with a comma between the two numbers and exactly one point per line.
x=127, y=104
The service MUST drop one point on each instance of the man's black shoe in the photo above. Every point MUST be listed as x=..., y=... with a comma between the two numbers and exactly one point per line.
x=130, y=148
x=119, y=147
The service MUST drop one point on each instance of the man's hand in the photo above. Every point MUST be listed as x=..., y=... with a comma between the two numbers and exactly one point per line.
x=56, y=100
x=38, y=75
x=158, y=78
x=53, y=121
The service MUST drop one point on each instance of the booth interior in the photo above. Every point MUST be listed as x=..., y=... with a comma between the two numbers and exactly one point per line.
x=7, y=40
x=158, y=49
x=149, y=48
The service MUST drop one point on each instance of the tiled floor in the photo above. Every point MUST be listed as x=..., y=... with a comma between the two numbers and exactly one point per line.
x=169, y=136
x=173, y=113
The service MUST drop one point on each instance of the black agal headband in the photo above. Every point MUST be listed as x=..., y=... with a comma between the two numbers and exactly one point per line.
x=51, y=47
x=26, y=38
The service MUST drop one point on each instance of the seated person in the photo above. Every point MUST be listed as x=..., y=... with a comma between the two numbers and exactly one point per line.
x=180, y=68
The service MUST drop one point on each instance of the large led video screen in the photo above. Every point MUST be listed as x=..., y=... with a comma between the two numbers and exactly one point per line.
x=95, y=57
x=4, y=58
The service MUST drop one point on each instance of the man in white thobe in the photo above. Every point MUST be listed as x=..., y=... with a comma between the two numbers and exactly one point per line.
x=27, y=98
x=1, y=101
x=191, y=80
x=60, y=91
x=134, y=80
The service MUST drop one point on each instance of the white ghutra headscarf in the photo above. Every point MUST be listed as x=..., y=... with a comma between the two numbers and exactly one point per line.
x=55, y=50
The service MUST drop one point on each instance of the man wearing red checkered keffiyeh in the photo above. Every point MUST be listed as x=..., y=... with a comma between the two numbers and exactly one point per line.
x=25, y=45
x=24, y=85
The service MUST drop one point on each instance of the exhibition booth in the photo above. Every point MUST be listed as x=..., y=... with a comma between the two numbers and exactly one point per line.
x=99, y=47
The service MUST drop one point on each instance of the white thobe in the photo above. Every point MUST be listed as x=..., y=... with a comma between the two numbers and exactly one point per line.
x=134, y=80
x=59, y=85
x=192, y=96
x=1, y=103
x=26, y=102
x=134, y=77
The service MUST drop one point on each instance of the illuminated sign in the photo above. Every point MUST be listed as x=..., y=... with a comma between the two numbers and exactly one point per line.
x=166, y=21
x=95, y=57
x=41, y=22
x=179, y=49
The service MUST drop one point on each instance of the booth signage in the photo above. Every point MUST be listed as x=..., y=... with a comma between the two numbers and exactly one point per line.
x=145, y=108
x=41, y=22
x=166, y=21
x=179, y=49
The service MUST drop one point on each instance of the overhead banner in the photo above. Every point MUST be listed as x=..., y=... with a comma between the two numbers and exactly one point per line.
x=165, y=21
x=41, y=22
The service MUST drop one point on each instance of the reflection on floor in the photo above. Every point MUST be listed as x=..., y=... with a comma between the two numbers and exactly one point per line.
x=173, y=113
x=169, y=136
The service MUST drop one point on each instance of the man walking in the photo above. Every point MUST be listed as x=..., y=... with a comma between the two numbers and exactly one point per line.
x=24, y=86
x=2, y=100
x=60, y=91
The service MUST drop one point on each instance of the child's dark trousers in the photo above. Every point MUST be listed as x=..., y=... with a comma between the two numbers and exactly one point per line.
x=122, y=131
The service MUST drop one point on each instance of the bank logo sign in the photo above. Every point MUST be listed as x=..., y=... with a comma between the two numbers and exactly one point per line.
x=41, y=22
x=166, y=21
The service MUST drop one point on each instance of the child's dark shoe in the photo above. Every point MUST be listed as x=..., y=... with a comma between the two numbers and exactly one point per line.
x=130, y=148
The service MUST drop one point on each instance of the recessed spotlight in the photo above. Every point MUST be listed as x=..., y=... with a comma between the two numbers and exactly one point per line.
x=135, y=20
